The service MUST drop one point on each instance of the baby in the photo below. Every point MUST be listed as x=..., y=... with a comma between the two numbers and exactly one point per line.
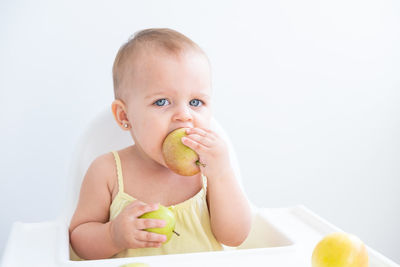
x=162, y=82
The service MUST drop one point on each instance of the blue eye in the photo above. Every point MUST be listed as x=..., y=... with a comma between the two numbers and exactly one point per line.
x=161, y=102
x=196, y=102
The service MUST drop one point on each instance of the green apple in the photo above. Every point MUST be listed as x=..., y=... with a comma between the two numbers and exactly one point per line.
x=166, y=214
x=178, y=157
x=340, y=250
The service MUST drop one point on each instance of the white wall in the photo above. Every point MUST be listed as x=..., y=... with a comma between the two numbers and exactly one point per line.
x=309, y=92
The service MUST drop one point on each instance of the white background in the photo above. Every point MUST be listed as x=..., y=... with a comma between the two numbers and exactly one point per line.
x=309, y=92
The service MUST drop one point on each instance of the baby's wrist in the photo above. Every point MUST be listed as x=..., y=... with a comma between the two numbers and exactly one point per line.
x=218, y=175
x=116, y=246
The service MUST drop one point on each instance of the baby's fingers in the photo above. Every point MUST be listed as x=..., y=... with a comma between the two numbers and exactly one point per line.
x=145, y=236
x=142, y=224
x=139, y=210
x=146, y=244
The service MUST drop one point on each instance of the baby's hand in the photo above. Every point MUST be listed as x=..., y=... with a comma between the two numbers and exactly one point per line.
x=212, y=151
x=127, y=230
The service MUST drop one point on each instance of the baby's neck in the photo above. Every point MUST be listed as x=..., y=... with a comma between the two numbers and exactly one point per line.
x=146, y=162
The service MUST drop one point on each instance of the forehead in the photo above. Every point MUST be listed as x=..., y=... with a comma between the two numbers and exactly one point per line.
x=157, y=70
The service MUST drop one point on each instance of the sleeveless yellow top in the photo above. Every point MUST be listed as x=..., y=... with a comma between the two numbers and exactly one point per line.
x=192, y=223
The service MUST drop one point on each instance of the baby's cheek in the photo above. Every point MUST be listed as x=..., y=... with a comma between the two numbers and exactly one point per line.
x=156, y=149
x=147, y=143
x=203, y=122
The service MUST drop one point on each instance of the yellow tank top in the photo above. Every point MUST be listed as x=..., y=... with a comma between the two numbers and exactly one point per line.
x=192, y=223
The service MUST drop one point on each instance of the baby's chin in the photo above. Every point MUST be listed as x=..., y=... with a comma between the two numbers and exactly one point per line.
x=162, y=162
x=158, y=158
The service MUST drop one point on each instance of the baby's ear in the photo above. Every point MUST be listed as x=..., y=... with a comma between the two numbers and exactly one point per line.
x=118, y=108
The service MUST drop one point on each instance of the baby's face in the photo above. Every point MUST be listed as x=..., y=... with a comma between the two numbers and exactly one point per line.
x=168, y=92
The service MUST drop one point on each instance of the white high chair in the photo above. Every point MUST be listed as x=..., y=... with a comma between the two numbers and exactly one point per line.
x=279, y=236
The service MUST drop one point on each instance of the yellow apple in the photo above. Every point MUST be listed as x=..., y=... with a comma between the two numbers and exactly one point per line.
x=178, y=157
x=166, y=214
x=340, y=250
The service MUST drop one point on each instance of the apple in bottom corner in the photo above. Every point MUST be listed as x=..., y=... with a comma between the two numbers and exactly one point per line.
x=340, y=250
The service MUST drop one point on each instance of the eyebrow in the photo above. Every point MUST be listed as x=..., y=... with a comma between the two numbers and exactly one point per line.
x=152, y=95
x=163, y=93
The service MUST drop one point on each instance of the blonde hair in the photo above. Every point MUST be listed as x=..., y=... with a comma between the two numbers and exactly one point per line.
x=167, y=39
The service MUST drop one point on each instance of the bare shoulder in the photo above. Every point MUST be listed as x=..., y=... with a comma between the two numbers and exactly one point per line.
x=95, y=197
x=102, y=169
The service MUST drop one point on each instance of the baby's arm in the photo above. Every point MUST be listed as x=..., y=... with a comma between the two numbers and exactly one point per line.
x=92, y=236
x=229, y=209
x=230, y=212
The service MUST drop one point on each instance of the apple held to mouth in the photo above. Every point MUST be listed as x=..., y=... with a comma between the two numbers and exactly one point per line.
x=340, y=250
x=178, y=157
x=163, y=213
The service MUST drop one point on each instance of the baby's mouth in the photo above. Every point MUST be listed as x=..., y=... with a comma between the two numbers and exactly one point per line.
x=185, y=127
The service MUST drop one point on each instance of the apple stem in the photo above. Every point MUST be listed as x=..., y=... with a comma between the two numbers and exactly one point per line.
x=176, y=233
x=198, y=163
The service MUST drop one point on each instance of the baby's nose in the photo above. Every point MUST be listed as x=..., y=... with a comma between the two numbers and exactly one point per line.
x=183, y=114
